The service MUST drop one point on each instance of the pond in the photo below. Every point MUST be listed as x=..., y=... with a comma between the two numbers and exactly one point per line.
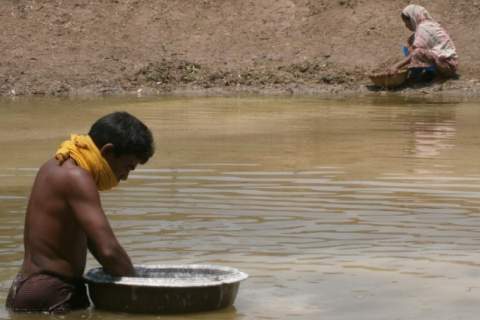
x=337, y=209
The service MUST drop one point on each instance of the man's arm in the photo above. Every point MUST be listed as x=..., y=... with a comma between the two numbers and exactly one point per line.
x=84, y=200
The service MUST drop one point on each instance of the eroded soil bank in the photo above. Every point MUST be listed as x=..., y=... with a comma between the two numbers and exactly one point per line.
x=110, y=47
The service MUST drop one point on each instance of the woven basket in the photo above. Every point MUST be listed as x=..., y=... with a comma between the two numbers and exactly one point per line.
x=389, y=80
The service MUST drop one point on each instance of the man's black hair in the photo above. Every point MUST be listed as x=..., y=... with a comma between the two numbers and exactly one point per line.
x=127, y=134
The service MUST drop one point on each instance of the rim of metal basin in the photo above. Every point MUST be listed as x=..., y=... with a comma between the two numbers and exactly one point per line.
x=172, y=276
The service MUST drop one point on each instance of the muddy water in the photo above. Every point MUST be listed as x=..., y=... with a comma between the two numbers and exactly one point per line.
x=366, y=209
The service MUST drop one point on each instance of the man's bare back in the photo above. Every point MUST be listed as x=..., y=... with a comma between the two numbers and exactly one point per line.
x=65, y=218
x=54, y=239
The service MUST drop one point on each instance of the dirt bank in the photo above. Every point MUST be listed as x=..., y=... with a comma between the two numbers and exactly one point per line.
x=81, y=47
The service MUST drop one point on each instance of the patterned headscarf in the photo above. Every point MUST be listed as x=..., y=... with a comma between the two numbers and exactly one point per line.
x=416, y=14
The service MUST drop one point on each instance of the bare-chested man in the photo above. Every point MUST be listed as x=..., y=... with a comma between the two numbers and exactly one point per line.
x=65, y=218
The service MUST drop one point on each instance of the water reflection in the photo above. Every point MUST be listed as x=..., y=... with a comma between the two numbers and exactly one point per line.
x=432, y=139
x=434, y=134
x=341, y=210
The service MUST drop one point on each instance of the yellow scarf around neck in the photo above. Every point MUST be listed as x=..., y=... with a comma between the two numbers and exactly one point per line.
x=83, y=150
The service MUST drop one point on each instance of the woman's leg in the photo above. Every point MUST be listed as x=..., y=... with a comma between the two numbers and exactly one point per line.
x=423, y=58
x=447, y=67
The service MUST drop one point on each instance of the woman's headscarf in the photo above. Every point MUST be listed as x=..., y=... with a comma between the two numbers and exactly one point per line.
x=416, y=14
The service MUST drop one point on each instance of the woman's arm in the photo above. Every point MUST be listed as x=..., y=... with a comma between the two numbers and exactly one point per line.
x=400, y=65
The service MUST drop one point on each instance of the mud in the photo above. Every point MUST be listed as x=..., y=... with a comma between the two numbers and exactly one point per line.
x=113, y=47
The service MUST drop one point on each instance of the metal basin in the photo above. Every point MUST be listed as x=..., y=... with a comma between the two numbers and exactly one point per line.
x=165, y=288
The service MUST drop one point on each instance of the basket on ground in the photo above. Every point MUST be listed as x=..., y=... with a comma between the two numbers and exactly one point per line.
x=388, y=80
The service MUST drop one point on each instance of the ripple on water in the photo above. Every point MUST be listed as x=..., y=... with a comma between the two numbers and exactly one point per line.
x=293, y=216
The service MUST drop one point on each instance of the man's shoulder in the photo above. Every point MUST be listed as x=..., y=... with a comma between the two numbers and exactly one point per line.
x=65, y=174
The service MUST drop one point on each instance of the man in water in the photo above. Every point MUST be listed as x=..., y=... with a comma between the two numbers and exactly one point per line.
x=64, y=217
